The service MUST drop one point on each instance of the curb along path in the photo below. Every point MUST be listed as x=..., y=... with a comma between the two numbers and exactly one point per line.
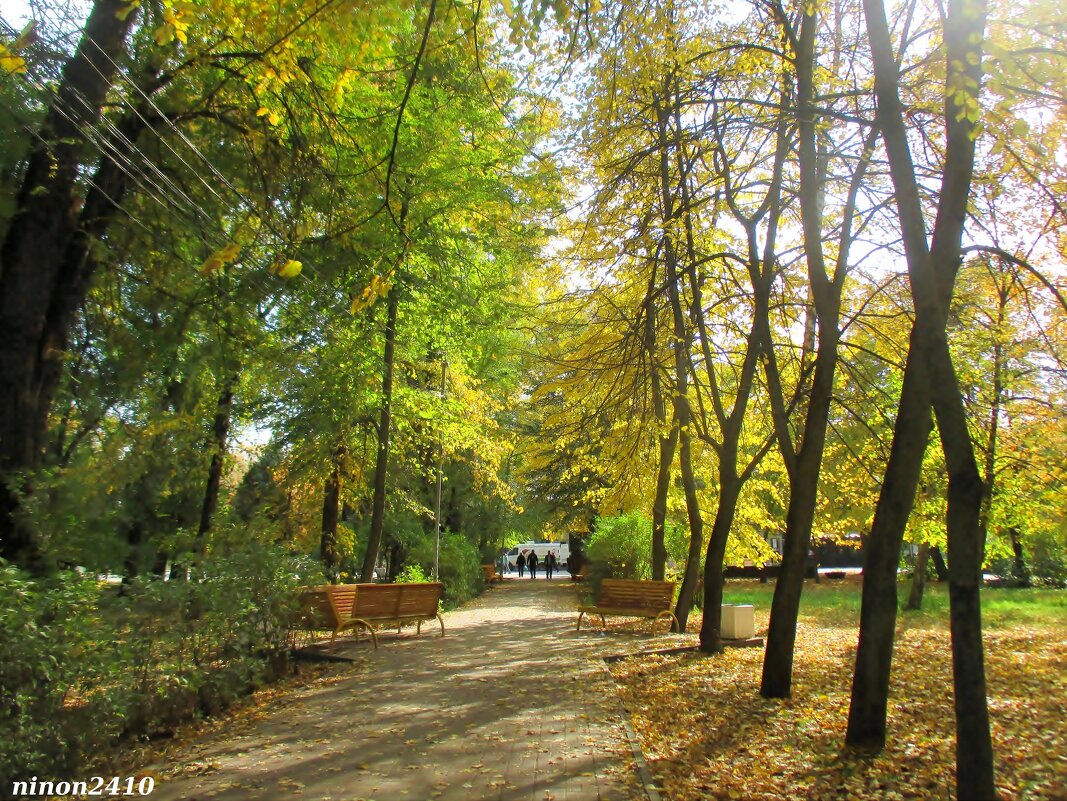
x=510, y=704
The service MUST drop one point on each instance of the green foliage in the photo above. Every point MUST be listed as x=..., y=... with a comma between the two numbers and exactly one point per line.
x=460, y=566
x=85, y=664
x=1045, y=555
x=621, y=547
x=413, y=573
x=42, y=626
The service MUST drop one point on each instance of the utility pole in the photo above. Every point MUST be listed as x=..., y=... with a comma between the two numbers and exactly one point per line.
x=440, y=481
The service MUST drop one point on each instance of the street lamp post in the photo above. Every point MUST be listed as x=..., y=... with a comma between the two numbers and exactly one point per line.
x=440, y=481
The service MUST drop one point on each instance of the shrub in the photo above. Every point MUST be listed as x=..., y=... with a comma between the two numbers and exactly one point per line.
x=85, y=663
x=44, y=627
x=412, y=573
x=460, y=568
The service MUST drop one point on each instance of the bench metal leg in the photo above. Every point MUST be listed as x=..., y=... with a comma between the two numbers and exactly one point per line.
x=370, y=631
x=666, y=614
x=581, y=614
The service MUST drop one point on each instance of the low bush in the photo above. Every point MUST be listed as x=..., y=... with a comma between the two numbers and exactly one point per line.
x=621, y=547
x=460, y=567
x=412, y=573
x=87, y=663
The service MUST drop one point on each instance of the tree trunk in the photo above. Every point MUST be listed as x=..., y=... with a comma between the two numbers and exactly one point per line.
x=667, y=444
x=806, y=466
x=932, y=271
x=220, y=431
x=940, y=568
x=46, y=267
x=331, y=504
x=683, y=414
x=1022, y=573
x=729, y=491
x=682, y=340
x=918, y=580
x=381, y=465
x=881, y=555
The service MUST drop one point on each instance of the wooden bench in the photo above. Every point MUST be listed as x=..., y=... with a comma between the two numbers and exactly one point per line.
x=328, y=607
x=632, y=598
x=398, y=604
x=582, y=574
x=491, y=574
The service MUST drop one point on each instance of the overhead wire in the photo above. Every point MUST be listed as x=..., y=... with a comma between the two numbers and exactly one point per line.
x=269, y=295
x=156, y=185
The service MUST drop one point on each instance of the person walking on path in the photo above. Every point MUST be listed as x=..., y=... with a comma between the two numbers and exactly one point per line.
x=521, y=563
x=531, y=563
x=550, y=564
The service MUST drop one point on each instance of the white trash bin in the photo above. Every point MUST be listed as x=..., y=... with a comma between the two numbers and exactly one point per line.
x=738, y=622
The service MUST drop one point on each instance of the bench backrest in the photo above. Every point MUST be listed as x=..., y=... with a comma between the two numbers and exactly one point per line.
x=327, y=605
x=634, y=594
x=489, y=571
x=392, y=601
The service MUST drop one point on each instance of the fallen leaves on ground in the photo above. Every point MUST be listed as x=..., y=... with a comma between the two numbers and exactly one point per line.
x=707, y=733
x=245, y=713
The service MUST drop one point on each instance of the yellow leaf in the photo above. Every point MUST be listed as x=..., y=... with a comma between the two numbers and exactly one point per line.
x=129, y=8
x=220, y=258
x=211, y=264
x=290, y=269
x=11, y=63
x=164, y=34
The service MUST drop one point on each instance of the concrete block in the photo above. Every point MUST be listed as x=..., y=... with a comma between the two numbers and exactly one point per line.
x=738, y=621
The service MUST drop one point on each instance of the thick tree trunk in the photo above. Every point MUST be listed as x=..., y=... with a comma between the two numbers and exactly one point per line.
x=220, y=431
x=45, y=267
x=729, y=492
x=881, y=555
x=918, y=580
x=331, y=505
x=381, y=464
x=966, y=551
x=932, y=269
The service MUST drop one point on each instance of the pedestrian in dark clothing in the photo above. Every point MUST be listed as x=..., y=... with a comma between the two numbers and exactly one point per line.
x=521, y=563
x=550, y=564
x=531, y=562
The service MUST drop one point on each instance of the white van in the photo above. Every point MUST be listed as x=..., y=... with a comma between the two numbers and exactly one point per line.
x=561, y=549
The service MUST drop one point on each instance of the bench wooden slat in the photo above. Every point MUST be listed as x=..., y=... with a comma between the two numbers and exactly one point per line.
x=328, y=607
x=632, y=598
x=400, y=603
x=335, y=607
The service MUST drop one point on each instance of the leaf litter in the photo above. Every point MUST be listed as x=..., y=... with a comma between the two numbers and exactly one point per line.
x=707, y=733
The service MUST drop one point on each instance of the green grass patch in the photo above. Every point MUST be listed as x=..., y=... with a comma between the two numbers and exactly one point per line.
x=837, y=603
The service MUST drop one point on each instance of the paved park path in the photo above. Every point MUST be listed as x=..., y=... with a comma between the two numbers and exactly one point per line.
x=510, y=704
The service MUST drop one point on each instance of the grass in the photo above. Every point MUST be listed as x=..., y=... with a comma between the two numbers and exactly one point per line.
x=708, y=734
x=838, y=601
